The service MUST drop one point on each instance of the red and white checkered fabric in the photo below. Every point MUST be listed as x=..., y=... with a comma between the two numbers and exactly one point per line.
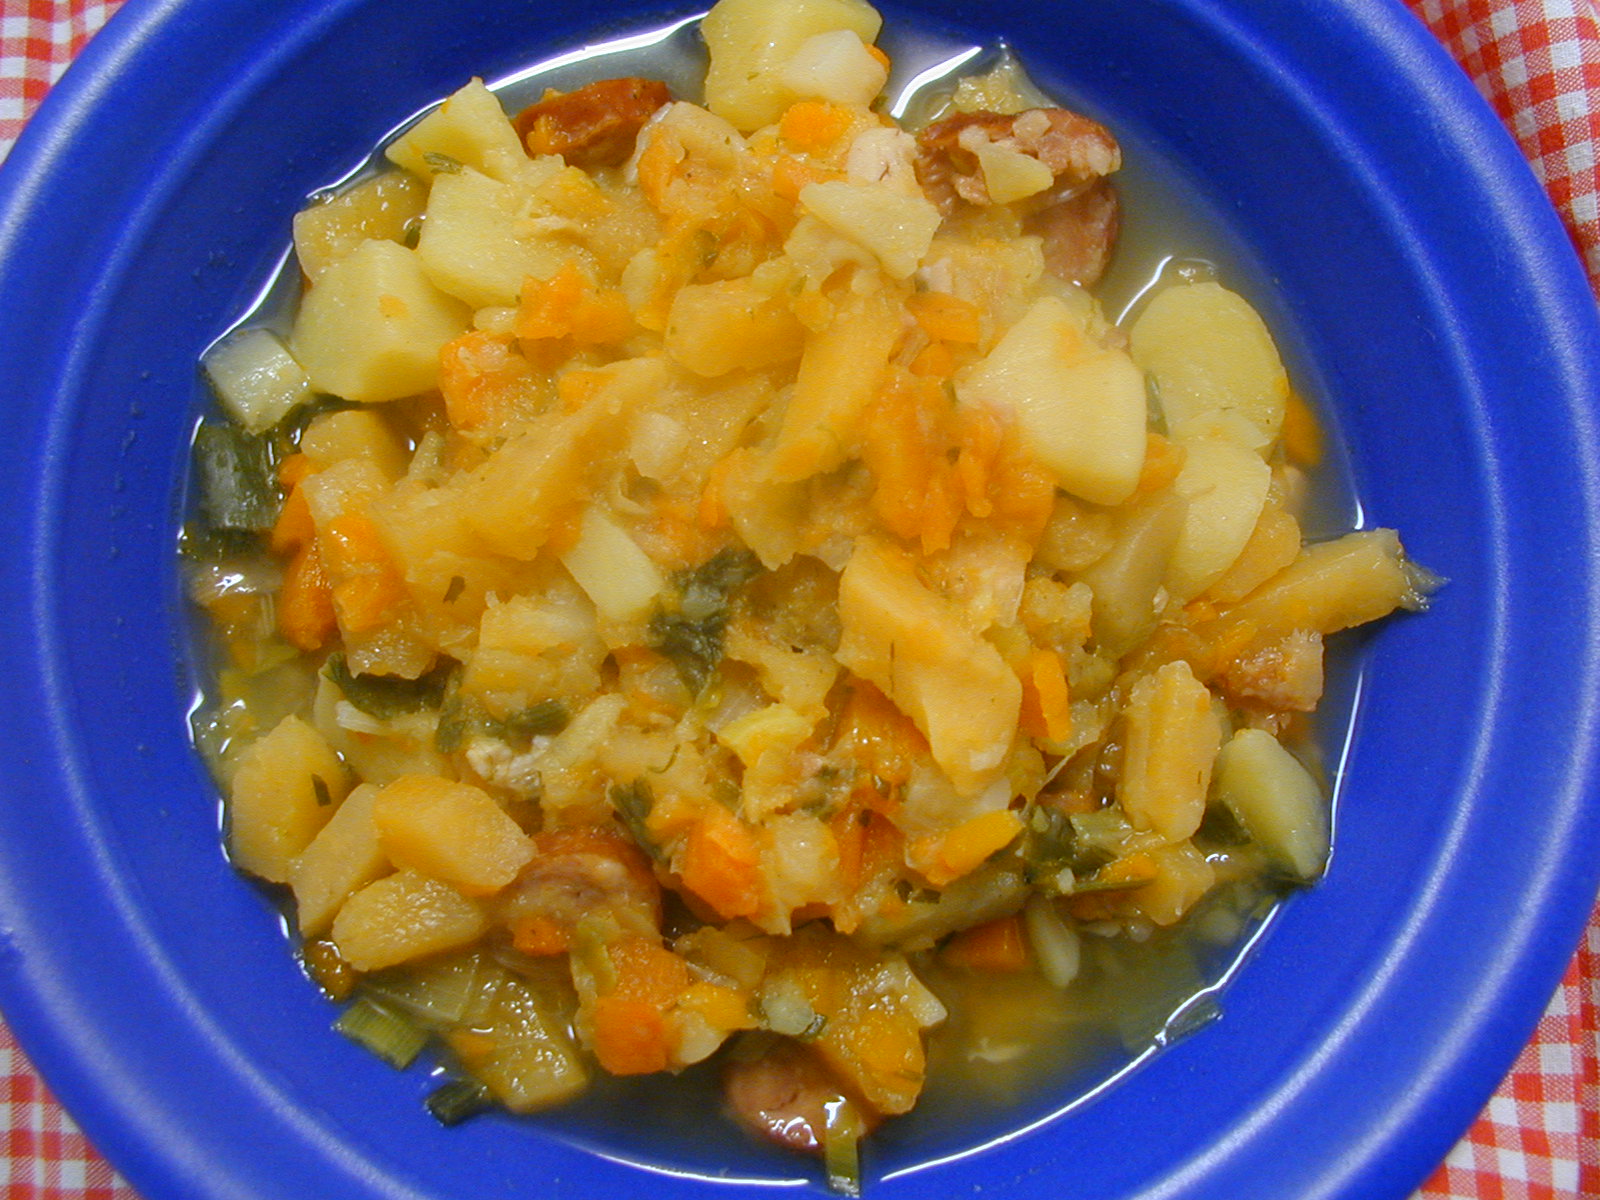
x=1538, y=63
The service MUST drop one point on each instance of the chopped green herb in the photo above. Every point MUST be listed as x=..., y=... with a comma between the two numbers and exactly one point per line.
x=319, y=785
x=689, y=632
x=390, y=696
x=542, y=719
x=633, y=804
x=456, y=1101
x=383, y=1031
x=441, y=164
x=457, y=585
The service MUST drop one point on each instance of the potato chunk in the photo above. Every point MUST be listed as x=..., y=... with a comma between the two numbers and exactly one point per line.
x=1225, y=486
x=1171, y=743
x=469, y=129
x=452, y=832
x=474, y=246
x=1277, y=801
x=341, y=860
x=372, y=327
x=404, y=916
x=381, y=207
x=913, y=645
x=1210, y=352
x=1081, y=405
x=753, y=41
x=283, y=792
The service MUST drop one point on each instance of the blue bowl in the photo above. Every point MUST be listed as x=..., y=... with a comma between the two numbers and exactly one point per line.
x=1422, y=286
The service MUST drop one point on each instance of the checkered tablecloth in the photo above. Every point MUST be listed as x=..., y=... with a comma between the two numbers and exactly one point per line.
x=1538, y=63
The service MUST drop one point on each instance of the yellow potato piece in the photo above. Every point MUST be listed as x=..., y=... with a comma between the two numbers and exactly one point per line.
x=404, y=916
x=283, y=792
x=451, y=832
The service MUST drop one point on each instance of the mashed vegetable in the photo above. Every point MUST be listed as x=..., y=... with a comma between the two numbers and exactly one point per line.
x=714, y=558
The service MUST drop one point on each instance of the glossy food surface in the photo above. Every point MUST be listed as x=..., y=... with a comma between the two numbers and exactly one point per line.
x=1421, y=282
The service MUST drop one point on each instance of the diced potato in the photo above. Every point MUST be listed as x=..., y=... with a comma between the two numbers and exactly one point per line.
x=1209, y=350
x=256, y=378
x=452, y=832
x=1277, y=801
x=333, y=437
x=1081, y=405
x=284, y=790
x=728, y=325
x=474, y=247
x=1170, y=744
x=914, y=646
x=514, y=498
x=341, y=860
x=1273, y=545
x=839, y=374
x=469, y=128
x=404, y=916
x=611, y=568
x=384, y=206
x=1182, y=876
x=896, y=228
x=373, y=326
x=1225, y=486
x=1128, y=578
x=519, y=1049
x=835, y=66
x=752, y=41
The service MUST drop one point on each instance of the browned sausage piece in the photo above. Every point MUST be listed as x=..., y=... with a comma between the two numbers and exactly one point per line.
x=594, y=126
x=1076, y=149
x=783, y=1096
x=1079, y=233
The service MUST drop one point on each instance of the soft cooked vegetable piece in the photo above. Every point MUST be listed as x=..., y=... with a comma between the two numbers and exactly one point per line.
x=385, y=206
x=372, y=327
x=1170, y=744
x=404, y=916
x=284, y=790
x=469, y=129
x=895, y=227
x=341, y=860
x=1209, y=351
x=452, y=832
x=1082, y=406
x=752, y=42
x=256, y=379
x=477, y=244
x=912, y=644
x=1276, y=800
x=607, y=563
x=518, y=1047
x=1225, y=486
x=728, y=325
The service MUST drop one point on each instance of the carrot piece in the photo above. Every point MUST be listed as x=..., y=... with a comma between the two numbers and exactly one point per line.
x=294, y=526
x=1046, y=706
x=630, y=1036
x=648, y=971
x=547, y=303
x=946, y=858
x=997, y=945
x=934, y=360
x=367, y=601
x=294, y=468
x=306, y=616
x=947, y=318
x=721, y=864
x=1163, y=459
x=538, y=936
x=813, y=125
x=1302, y=432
